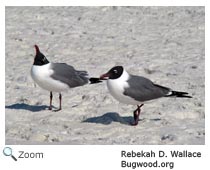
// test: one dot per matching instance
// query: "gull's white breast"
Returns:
(42, 76)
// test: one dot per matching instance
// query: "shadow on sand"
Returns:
(110, 117)
(23, 106)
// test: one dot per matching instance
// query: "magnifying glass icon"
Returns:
(8, 152)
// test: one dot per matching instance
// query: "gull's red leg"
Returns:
(60, 101)
(136, 115)
(51, 97)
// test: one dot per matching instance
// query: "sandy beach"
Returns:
(164, 44)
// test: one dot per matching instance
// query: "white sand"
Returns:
(165, 44)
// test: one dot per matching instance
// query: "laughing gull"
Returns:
(57, 77)
(135, 90)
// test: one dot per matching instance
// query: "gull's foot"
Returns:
(57, 110)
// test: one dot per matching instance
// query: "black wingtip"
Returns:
(179, 94)
(94, 80)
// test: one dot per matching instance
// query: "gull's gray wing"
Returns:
(67, 74)
(143, 89)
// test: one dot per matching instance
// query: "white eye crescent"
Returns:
(115, 71)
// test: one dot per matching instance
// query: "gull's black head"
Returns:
(113, 73)
(39, 58)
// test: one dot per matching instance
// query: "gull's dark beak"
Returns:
(104, 76)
